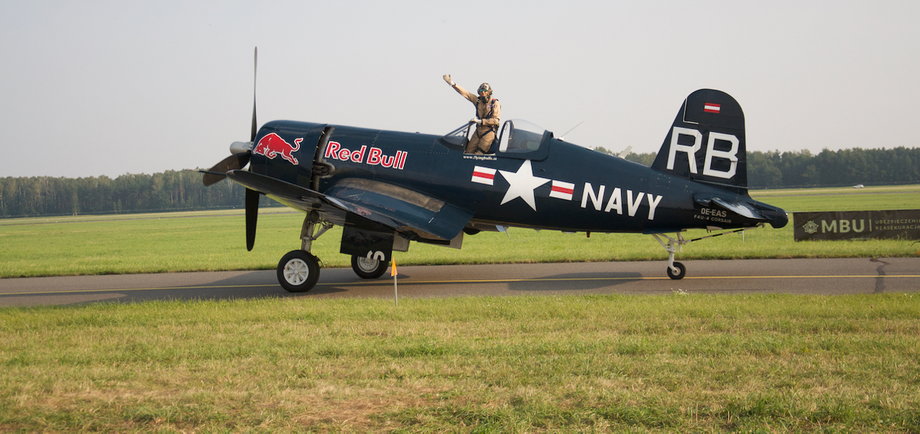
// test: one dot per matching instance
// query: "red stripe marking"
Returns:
(484, 175)
(563, 190)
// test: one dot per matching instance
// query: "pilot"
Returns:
(487, 120)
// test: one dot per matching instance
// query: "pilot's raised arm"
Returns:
(488, 115)
(465, 93)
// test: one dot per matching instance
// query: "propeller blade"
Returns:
(252, 196)
(255, 70)
(233, 162)
(252, 215)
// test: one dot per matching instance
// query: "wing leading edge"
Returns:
(412, 214)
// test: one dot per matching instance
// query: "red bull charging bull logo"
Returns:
(272, 145)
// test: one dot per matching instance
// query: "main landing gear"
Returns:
(368, 268)
(298, 270)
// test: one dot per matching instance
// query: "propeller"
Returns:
(217, 173)
(241, 152)
(252, 196)
(255, 70)
(252, 216)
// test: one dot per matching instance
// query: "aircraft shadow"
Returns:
(262, 284)
(575, 282)
(247, 286)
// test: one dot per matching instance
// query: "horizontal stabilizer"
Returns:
(746, 208)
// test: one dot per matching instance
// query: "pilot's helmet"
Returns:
(485, 92)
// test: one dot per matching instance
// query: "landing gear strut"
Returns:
(298, 270)
(676, 270)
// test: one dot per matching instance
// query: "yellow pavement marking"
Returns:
(408, 281)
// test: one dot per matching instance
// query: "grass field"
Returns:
(215, 240)
(673, 363)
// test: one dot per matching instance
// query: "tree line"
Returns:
(183, 190)
(168, 191)
(828, 168)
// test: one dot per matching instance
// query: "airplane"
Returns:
(387, 188)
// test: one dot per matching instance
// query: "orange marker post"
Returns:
(394, 273)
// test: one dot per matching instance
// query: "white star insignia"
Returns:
(522, 184)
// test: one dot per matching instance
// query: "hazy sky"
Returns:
(112, 87)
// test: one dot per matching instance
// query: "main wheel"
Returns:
(367, 268)
(298, 271)
(681, 271)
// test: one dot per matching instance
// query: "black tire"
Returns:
(298, 271)
(681, 271)
(368, 268)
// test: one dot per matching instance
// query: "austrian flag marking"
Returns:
(483, 175)
(712, 107)
(562, 190)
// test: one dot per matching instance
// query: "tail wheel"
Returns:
(681, 271)
(298, 271)
(367, 268)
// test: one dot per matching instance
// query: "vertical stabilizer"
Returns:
(706, 141)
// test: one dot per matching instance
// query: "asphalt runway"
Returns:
(795, 276)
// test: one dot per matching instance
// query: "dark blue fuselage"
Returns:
(550, 184)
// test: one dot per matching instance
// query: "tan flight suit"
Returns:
(490, 113)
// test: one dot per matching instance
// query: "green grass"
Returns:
(842, 199)
(673, 363)
(576, 363)
(215, 240)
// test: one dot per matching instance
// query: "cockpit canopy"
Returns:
(516, 139)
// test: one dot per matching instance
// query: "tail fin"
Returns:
(706, 142)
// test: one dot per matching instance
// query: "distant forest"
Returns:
(182, 190)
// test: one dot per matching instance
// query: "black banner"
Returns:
(855, 225)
